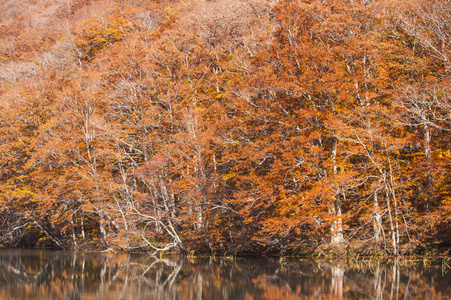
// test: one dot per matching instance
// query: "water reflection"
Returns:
(66, 275)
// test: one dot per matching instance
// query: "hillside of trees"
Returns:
(237, 126)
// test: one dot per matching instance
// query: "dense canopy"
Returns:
(238, 126)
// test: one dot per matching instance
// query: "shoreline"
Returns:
(442, 254)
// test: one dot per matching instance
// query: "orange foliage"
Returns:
(230, 126)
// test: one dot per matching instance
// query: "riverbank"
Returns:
(352, 251)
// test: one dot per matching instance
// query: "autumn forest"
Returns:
(226, 126)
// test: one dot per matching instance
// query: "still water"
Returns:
(32, 274)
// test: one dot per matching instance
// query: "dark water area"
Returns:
(34, 274)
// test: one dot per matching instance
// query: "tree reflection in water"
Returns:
(67, 275)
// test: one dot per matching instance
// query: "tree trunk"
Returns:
(392, 226)
(102, 229)
(337, 224)
(82, 226)
(427, 155)
(377, 219)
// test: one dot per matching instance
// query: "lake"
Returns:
(36, 274)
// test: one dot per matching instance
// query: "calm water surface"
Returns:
(26, 274)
